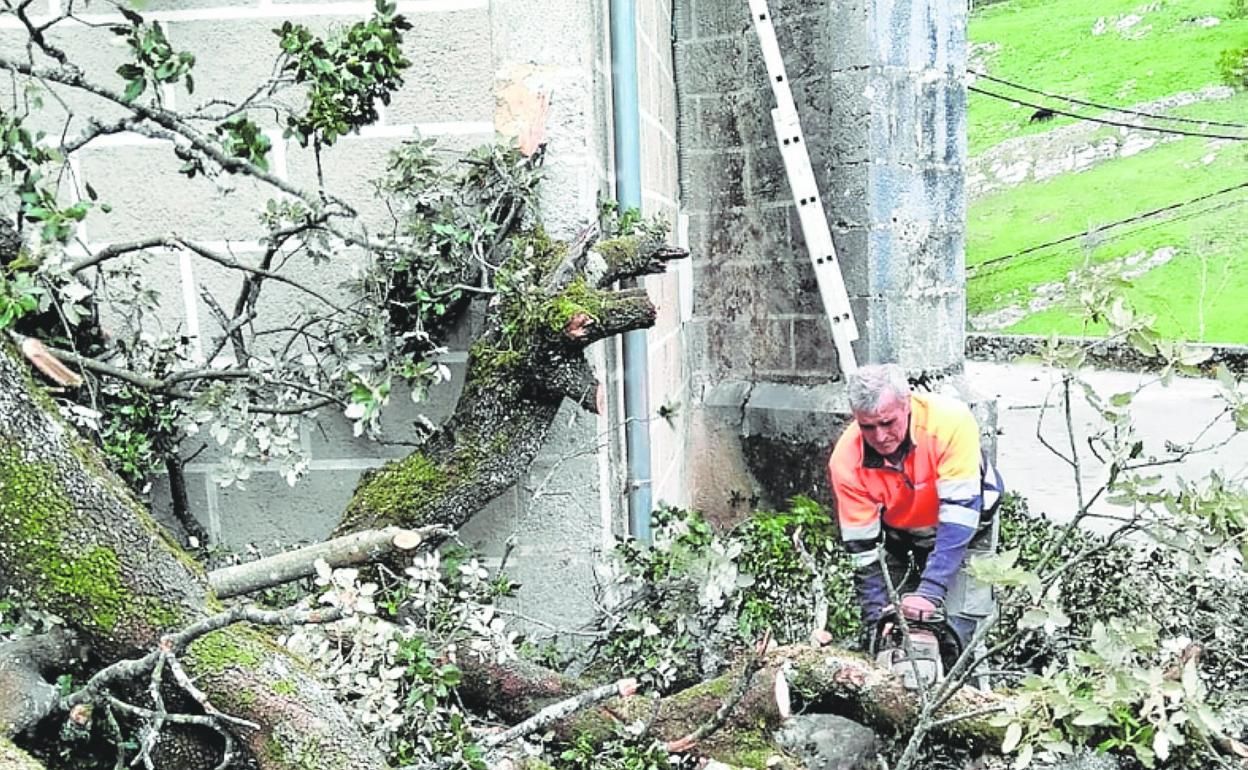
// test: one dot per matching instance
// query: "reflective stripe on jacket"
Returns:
(935, 495)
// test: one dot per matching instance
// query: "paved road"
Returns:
(1176, 413)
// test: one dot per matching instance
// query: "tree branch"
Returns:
(358, 548)
(630, 256)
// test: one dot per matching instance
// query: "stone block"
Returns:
(836, 113)
(814, 349)
(149, 197)
(232, 58)
(267, 512)
(570, 194)
(161, 272)
(452, 72)
(748, 346)
(751, 233)
(545, 32)
(733, 119)
(916, 35)
(920, 123)
(787, 432)
(766, 178)
(844, 190)
(714, 18)
(280, 306)
(934, 195)
(917, 258)
(921, 334)
(350, 168)
(779, 409)
(714, 181)
(709, 67)
(851, 246)
(574, 93)
(739, 291)
(64, 109)
(848, 42)
(802, 38)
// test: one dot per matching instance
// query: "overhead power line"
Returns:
(1106, 121)
(1098, 105)
(974, 269)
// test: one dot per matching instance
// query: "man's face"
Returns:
(885, 428)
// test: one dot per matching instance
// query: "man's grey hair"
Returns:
(868, 386)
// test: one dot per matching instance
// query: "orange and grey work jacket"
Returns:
(933, 498)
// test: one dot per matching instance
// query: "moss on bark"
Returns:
(58, 571)
(13, 758)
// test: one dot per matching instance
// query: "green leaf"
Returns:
(1225, 378)
(133, 89)
(1093, 715)
(1141, 342)
(1013, 734)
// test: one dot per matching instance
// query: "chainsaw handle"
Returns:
(889, 622)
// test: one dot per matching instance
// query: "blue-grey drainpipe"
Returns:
(626, 116)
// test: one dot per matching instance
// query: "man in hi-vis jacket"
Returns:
(908, 472)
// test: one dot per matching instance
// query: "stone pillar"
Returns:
(880, 94)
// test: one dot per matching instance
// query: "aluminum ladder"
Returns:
(805, 190)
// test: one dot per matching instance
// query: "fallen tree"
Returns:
(760, 693)
(74, 541)
(198, 684)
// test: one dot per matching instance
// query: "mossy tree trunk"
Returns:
(74, 541)
(827, 678)
(13, 758)
(553, 301)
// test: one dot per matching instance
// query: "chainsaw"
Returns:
(934, 645)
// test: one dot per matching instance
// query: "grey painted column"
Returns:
(880, 93)
(879, 89)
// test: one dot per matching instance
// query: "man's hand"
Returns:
(916, 607)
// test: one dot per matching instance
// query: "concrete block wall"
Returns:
(557, 521)
(476, 65)
(669, 369)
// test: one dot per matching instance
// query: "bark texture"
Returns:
(13, 758)
(834, 680)
(26, 697)
(74, 541)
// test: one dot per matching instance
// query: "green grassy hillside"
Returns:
(1144, 51)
